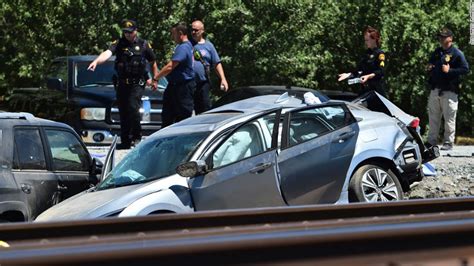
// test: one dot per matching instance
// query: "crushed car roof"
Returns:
(219, 116)
(259, 103)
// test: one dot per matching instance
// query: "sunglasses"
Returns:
(195, 30)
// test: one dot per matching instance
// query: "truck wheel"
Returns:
(372, 183)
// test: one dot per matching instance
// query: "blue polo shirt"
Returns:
(210, 58)
(183, 53)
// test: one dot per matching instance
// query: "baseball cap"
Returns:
(128, 25)
(445, 32)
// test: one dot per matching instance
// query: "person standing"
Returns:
(446, 65)
(178, 103)
(371, 66)
(206, 57)
(132, 55)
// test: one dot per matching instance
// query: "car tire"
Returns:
(374, 182)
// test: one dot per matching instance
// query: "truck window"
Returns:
(68, 153)
(58, 69)
(29, 151)
(101, 76)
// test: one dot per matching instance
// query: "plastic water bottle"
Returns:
(354, 81)
(146, 109)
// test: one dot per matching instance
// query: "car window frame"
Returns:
(285, 141)
(50, 155)
(62, 64)
(222, 138)
(16, 159)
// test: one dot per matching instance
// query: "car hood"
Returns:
(102, 203)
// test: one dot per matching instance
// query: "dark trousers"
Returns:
(129, 101)
(202, 102)
(178, 102)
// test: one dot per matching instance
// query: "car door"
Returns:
(243, 171)
(29, 168)
(317, 148)
(69, 160)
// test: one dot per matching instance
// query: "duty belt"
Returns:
(127, 81)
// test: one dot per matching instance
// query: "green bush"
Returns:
(303, 43)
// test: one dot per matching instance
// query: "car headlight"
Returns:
(93, 114)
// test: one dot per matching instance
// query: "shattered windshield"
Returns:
(153, 159)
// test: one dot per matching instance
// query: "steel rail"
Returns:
(208, 219)
(226, 230)
(450, 235)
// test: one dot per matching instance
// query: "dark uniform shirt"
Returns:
(131, 57)
(457, 66)
(373, 61)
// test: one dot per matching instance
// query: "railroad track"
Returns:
(440, 229)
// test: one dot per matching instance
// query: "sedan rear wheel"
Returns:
(372, 183)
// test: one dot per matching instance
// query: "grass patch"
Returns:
(465, 140)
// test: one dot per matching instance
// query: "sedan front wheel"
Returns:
(372, 183)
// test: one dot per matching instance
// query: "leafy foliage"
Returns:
(305, 43)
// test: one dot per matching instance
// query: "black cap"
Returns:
(128, 25)
(445, 32)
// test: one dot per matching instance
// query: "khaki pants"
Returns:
(445, 105)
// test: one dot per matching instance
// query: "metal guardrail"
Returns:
(333, 234)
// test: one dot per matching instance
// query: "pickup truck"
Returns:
(85, 100)
(42, 162)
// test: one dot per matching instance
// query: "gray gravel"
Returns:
(455, 174)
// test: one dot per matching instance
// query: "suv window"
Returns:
(28, 151)
(68, 153)
(58, 69)
(310, 123)
(103, 74)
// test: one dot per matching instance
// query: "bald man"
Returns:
(205, 58)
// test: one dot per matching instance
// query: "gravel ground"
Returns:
(455, 176)
(455, 173)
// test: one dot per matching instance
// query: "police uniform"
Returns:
(130, 65)
(373, 61)
(443, 99)
(178, 100)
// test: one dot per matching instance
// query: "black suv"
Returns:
(41, 163)
(84, 99)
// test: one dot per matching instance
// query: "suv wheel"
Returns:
(372, 183)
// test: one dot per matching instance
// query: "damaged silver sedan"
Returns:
(261, 152)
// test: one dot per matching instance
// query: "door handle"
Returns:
(259, 168)
(25, 188)
(344, 136)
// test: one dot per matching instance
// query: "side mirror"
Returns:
(96, 170)
(192, 169)
(55, 84)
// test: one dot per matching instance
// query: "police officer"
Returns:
(132, 55)
(371, 66)
(447, 63)
(205, 58)
(178, 96)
